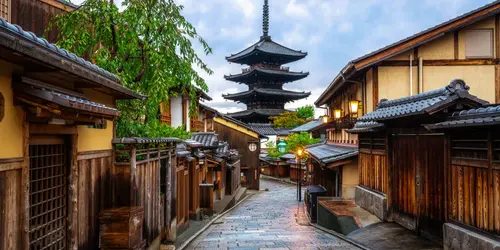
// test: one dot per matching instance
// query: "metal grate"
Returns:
(48, 196)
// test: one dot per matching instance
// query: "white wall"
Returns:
(188, 120)
(176, 111)
(263, 142)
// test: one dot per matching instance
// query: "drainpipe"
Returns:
(420, 75)
(411, 74)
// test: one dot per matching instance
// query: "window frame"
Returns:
(492, 45)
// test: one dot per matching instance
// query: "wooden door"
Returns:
(404, 202)
(417, 183)
(430, 186)
(48, 192)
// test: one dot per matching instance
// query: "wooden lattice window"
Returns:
(48, 180)
(5, 9)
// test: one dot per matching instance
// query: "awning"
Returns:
(331, 154)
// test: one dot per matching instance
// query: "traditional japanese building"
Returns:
(265, 77)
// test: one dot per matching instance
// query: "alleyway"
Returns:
(267, 220)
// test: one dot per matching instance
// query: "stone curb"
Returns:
(188, 241)
(341, 236)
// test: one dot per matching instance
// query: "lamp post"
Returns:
(298, 157)
(282, 146)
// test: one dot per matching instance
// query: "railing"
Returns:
(265, 66)
(197, 125)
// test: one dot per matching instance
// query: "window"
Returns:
(5, 9)
(479, 43)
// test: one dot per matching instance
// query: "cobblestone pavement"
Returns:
(267, 220)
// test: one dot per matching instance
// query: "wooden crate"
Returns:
(121, 228)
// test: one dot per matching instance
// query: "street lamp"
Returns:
(324, 119)
(282, 146)
(298, 157)
(337, 114)
(354, 107)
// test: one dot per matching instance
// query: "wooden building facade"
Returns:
(406, 172)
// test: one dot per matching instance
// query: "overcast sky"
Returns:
(333, 32)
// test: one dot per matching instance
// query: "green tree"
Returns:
(300, 140)
(287, 119)
(148, 45)
(306, 112)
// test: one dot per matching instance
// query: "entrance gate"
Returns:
(48, 195)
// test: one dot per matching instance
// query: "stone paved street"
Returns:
(267, 220)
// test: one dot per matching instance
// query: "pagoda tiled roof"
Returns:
(267, 46)
(292, 95)
(278, 75)
(264, 112)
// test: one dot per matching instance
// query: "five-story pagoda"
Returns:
(265, 77)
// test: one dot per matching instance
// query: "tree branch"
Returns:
(114, 50)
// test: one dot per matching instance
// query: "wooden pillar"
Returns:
(375, 87)
(25, 185)
(133, 177)
(490, 182)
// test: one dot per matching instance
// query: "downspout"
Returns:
(420, 75)
(411, 74)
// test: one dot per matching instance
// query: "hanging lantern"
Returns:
(337, 114)
(324, 119)
(354, 107)
(282, 146)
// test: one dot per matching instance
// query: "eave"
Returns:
(276, 75)
(273, 93)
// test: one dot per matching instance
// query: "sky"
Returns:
(333, 32)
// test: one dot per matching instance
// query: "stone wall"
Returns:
(374, 203)
(457, 237)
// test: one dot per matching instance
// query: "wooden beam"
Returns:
(73, 196)
(423, 38)
(52, 129)
(95, 154)
(442, 62)
(58, 5)
(490, 192)
(456, 48)
(497, 36)
(497, 83)
(25, 179)
(375, 87)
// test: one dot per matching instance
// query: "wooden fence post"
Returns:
(133, 177)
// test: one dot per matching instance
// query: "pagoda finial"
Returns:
(265, 19)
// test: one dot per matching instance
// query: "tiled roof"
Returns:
(243, 124)
(268, 129)
(363, 127)
(182, 151)
(424, 103)
(266, 45)
(329, 153)
(286, 76)
(68, 3)
(292, 95)
(209, 140)
(483, 116)
(265, 112)
(193, 144)
(32, 38)
(308, 126)
(66, 100)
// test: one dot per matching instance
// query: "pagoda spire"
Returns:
(265, 19)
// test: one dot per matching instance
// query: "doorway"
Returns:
(48, 192)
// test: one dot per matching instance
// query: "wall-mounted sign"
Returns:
(252, 147)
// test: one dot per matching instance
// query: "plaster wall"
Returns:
(11, 134)
(176, 110)
(369, 91)
(480, 78)
(441, 48)
(394, 82)
(350, 180)
(488, 23)
(90, 139)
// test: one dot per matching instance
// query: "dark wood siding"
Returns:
(373, 163)
(94, 194)
(473, 180)
(249, 160)
(35, 15)
(10, 204)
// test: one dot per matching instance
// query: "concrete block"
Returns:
(373, 202)
(457, 237)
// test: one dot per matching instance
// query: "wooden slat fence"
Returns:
(373, 163)
(138, 168)
(474, 180)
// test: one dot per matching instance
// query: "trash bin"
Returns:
(311, 200)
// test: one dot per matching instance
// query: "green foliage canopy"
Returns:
(287, 119)
(148, 45)
(294, 142)
(306, 112)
